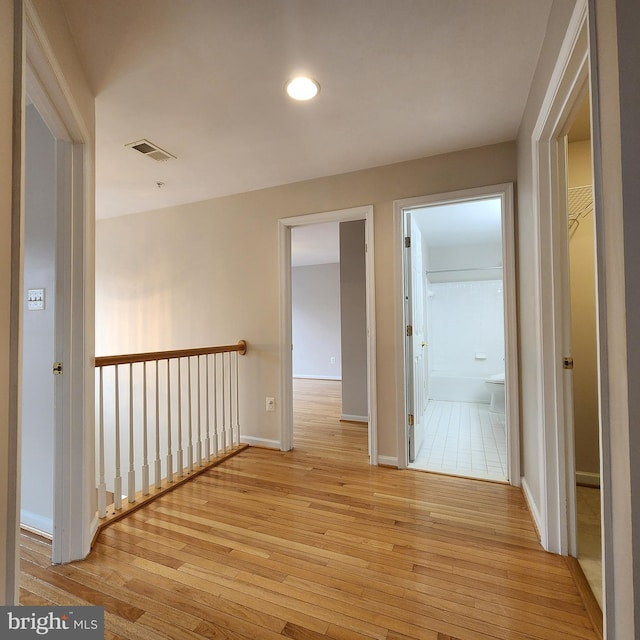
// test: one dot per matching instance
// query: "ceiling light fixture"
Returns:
(302, 88)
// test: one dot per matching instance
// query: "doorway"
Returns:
(328, 313)
(363, 219)
(584, 348)
(72, 507)
(459, 337)
(316, 311)
(39, 324)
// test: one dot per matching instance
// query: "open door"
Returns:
(416, 343)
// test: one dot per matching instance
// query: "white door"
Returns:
(416, 344)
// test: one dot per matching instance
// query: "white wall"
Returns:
(466, 328)
(476, 255)
(207, 273)
(36, 508)
(353, 305)
(315, 311)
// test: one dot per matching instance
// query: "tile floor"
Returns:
(589, 540)
(465, 439)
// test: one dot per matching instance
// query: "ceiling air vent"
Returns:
(150, 150)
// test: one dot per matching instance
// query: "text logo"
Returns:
(21, 623)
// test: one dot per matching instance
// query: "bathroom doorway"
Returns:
(459, 334)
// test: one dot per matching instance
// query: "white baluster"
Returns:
(216, 440)
(131, 493)
(158, 463)
(117, 481)
(230, 425)
(102, 485)
(169, 445)
(190, 445)
(199, 443)
(180, 452)
(237, 401)
(223, 430)
(207, 440)
(145, 434)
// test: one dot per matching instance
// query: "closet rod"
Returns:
(456, 270)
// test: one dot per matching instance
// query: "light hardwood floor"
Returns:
(315, 543)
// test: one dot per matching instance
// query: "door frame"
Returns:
(512, 406)
(74, 506)
(286, 387)
(570, 81)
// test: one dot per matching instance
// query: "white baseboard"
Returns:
(533, 510)
(260, 442)
(588, 478)
(388, 461)
(350, 418)
(314, 377)
(93, 528)
(36, 523)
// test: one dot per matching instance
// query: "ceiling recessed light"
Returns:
(302, 88)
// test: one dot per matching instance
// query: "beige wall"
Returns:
(207, 273)
(583, 322)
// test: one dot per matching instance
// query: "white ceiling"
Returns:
(313, 244)
(203, 79)
(461, 224)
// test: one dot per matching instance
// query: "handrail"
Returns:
(106, 361)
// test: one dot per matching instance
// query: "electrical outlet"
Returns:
(270, 404)
(332, 359)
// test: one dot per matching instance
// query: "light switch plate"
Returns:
(35, 299)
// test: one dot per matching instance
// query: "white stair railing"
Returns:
(200, 386)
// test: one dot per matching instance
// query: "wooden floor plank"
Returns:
(316, 543)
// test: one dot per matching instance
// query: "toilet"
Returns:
(496, 389)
